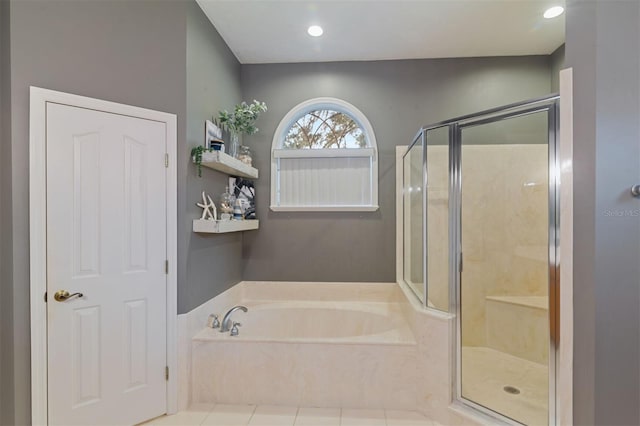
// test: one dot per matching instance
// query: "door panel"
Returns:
(504, 290)
(106, 238)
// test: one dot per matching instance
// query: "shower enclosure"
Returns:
(480, 238)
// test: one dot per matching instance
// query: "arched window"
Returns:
(324, 158)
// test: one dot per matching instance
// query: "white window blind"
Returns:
(314, 177)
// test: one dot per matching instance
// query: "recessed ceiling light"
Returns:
(315, 31)
(553, 12)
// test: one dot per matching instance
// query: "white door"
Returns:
(106, 239)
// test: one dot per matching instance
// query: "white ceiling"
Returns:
(268, 31)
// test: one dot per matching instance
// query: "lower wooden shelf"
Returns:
(223, 226)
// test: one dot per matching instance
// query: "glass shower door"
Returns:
(506, 241)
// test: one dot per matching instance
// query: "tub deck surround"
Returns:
(311, 344)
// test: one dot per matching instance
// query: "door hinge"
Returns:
(45, 297)
(166, 267)
(166, 160)
(461, 262)
(166, 373)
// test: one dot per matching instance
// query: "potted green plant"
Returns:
(196, 156)
(240, 121)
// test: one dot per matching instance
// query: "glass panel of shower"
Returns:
(413, 208)
(504, 281)
(427, 253)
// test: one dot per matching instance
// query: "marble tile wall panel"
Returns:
(505, 228)
(519, 330)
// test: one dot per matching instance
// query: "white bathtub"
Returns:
(319, 353)
(327, 322)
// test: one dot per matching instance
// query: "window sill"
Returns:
(324, 208)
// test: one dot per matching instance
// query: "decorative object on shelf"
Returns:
(245, 155)
(244, 190)
(235, 145)
(213, 136)
(237, 210)
(240, 121)
(226, 205)
(217, 146)
(209, 211)
(200, 154)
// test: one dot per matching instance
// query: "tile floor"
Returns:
(269, 415)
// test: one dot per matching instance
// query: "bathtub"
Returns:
(310, 349)
(318, 322)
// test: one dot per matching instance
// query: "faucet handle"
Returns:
(234, 329)
(214, 322)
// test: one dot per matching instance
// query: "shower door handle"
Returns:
(635, 190)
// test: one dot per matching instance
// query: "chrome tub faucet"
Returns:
(226, 321)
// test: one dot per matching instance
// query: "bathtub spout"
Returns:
(226, 321)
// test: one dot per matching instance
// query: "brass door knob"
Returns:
(62, 295)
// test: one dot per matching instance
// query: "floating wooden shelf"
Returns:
(229, 165)
(222, 226)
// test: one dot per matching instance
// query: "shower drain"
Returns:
(511, 389)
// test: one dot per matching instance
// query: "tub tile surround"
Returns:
(189, 324)
(321, 375)
(327, 291)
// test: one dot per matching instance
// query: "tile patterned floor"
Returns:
(269, 415)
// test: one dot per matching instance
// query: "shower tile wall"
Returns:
(502, 261)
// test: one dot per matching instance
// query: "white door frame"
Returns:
(38, 232)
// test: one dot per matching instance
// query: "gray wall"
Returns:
(128, 52)
(557, 59)
(157, 55)
(397, 97)
(212, 262)
(603, 47)
(6, 289)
